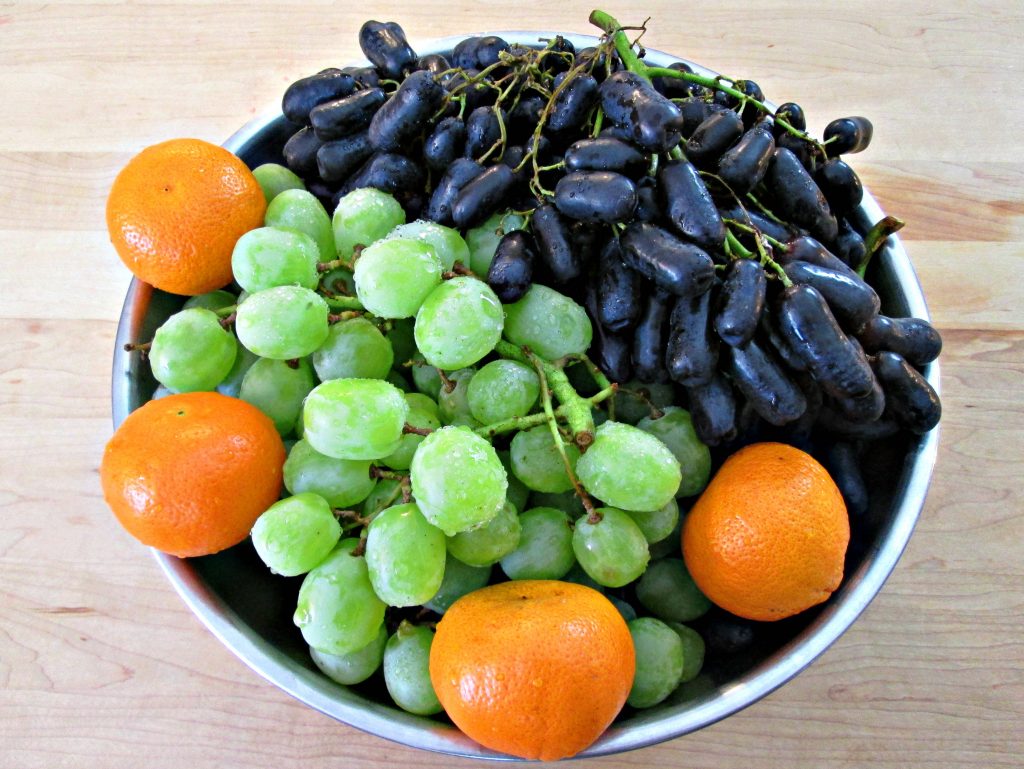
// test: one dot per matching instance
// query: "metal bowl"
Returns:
(250, 610)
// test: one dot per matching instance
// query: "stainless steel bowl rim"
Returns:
(646, 728)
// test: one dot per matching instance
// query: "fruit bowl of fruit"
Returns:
(511, 302)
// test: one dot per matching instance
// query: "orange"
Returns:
(535, 668)
(767, 538)
(189, 474)
(176, 210)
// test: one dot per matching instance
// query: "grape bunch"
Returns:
(549, 283)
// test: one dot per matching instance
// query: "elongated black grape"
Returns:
(909, 396)
(713, 410)
(631, 101)
(864, 408)
(649, 338)
(807, 323)
(694, 111)
(489, 49)
(554, 245)
(775, 340)
(606, 153)
(758, 376)
(691, 356)
(511, 270)
(793, 114)
(482, 131)
(673, 87)
(388, 172)
(464, 55)
(477, 93)
(914, 339)
(484, 195)
(434, 63)
(618, 289)
(406, 113)
(843, 464)
(445, 143)
(647, 207)
(559, 63)
(302, 95)
(681, 268)
(754, 218)
(848, 135)
(596, 196)
(713, 137)
(804, 248)
(522, 120)
(850, 298)
(744, 166)
(336, 160)
(849, 245)
(610, 350)
(460, 173)
(750, 113)
(572, 104)
(741, 302)
(513, 158)
(840, 185)
(836, 425)
(384, 44)
(802, 149)
(688, 205)
(587, 241)
(300, 151)
(343, 117)
(365, 77)
(797, 197)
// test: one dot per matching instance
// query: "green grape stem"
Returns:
(394, 475)
(343, 303)
(875, 239)
(533, 420)
(229, 321)
(409, 429)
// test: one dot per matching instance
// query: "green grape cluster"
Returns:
(435, 438)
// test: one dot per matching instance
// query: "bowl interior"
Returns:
(250, 610)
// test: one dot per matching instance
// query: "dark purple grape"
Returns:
(489, 50)
(336, 160)
(406, 114)
(850, 298)
(618, 289)
(864, 408)
(691, 355)
(793, 114)
(849, 244)
(554, 244)
(744, 166)
(647, 206)
(434, 63)
(511, 270)
(673, 87)
(681, 268)
(768, 389)
(573, 102)
(302, 95)
(847, 135)
(343, 117)
(840, 186)
(694, 112)
(713, 410)
(631, 101)
(445, 143)
(483, 131)
(688, 206)
(713, 137)
(909, 397)
(606, 153)
(464, 55)
(914, 339)
(741, 302)
(522, 120)
(804, 248)
(388, 172)
(365, 77)
(460, 173)
(484, 195)
(300, 152)
(649, 338)
(384, 44)
(754, 218)
(797, 198)
(843, 464)
(751, 89)
(596, 196)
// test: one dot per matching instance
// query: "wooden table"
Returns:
(100, 663)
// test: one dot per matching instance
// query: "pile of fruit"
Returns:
(471, 350)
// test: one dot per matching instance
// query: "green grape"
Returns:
(300, 210)
(399, 381)
(362, 217)
(545, 546)
(458, 324)
(300, 426)
(628, 612)
(675, 430)
(275, 179)
(214, 300)
(191, 351)
(668, 592)
(613, 551)
(268, 257)
(393, 277)
(459, 579)
(672, 544)
(483, 240)
(693, 650)
(337, 610)
(517, 492)
(342, 482)
(402, 340)
(578, 576)
(420, 415)
(296, 534)
(501, 390)
(232, 383)
(355, 418)
(284, 322)
(659, 662)
(354, 349)
(453, 404)
(405, 556)
(426, 377)
(339, 281)
(458, 480)
(407, 669)
(277, 389)
(630, 407)
(628, 468)
(549, 323)
(657, 524)
(447, 243)
(354, 667)
(566, 501)
(537, 463)
(242, 296)
(386, 493)
(488, 544)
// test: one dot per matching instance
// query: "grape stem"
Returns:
(346, 315)
(142, 347)
(875, 239)
(448, 384)
(577, 410)
(533, 420)
(343, 303)
(545, 398)
(409, 429)
(229, 320)
(393, 475)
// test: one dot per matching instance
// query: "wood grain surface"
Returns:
(101, 665)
